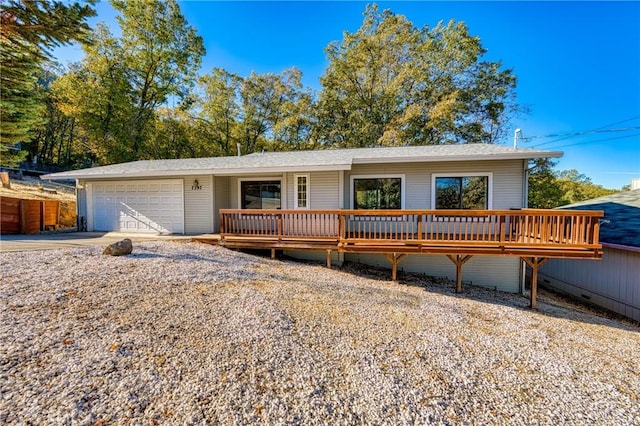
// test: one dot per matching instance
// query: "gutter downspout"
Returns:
(525, 204)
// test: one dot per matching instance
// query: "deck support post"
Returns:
(394, 258)
(459, 260)
(535, 263)
(273, 253)
(328, 258)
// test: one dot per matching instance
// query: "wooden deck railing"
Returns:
(533, 235)
(445, 231)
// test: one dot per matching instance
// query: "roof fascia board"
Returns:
(450, 158)
(216, 172)
(287, 169)
(621, 247)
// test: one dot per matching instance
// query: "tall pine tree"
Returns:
(28, 30)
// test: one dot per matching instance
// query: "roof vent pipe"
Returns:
(515, 137)
(238, 146)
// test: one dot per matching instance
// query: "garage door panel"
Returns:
(142, 206)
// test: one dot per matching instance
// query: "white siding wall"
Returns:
(198, 205)
(612, 283)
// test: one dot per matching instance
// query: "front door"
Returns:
(260, 194)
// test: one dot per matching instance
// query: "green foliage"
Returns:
(28, 29)
(544, 190)
(260, 112)
(390, 84)
(116, 91)
(578, 187)
(549, 189)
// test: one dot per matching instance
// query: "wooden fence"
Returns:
(23, 216)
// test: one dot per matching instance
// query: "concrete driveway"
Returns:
(74, 239)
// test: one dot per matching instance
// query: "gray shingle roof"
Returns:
(621, 223)
(329, 159)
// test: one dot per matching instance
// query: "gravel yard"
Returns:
(185, 333)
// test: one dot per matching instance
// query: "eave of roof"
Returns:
(303, 161)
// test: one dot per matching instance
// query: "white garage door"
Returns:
(139, 206)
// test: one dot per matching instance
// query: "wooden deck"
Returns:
(531, 234)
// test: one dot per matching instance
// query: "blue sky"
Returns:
(577, 63)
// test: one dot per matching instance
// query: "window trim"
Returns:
(402, 178)
(262, 178)
(307, 189)
(489, 176)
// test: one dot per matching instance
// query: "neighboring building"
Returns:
(614, 282)
(184, 196)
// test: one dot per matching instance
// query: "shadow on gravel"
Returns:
(549, 304)
(152, 255)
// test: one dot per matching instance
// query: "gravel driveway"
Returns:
(184, 333)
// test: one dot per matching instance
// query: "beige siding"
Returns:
(222, 198)
(198, 205)
(81, 202)
(314, 256)
(234, 183)
(612, 283)
(323, 190)
(507, 180)
(501, 273)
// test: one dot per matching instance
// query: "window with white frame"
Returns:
(377, 192)
(468, 191)
(301, 193)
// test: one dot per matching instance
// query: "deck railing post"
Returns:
(342, 226)
(596, 231)
(503, 230)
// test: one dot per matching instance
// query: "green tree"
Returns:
(390, 83)
(162, 54)
(273, 111)
(544, 189)
(549, 188)
(219, 109)
(579, 187)
(97, 93)
(28, 30)
(122, 81)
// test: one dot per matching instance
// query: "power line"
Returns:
(592, 132)
(568, 135)
(599, 140)
(586, 132)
